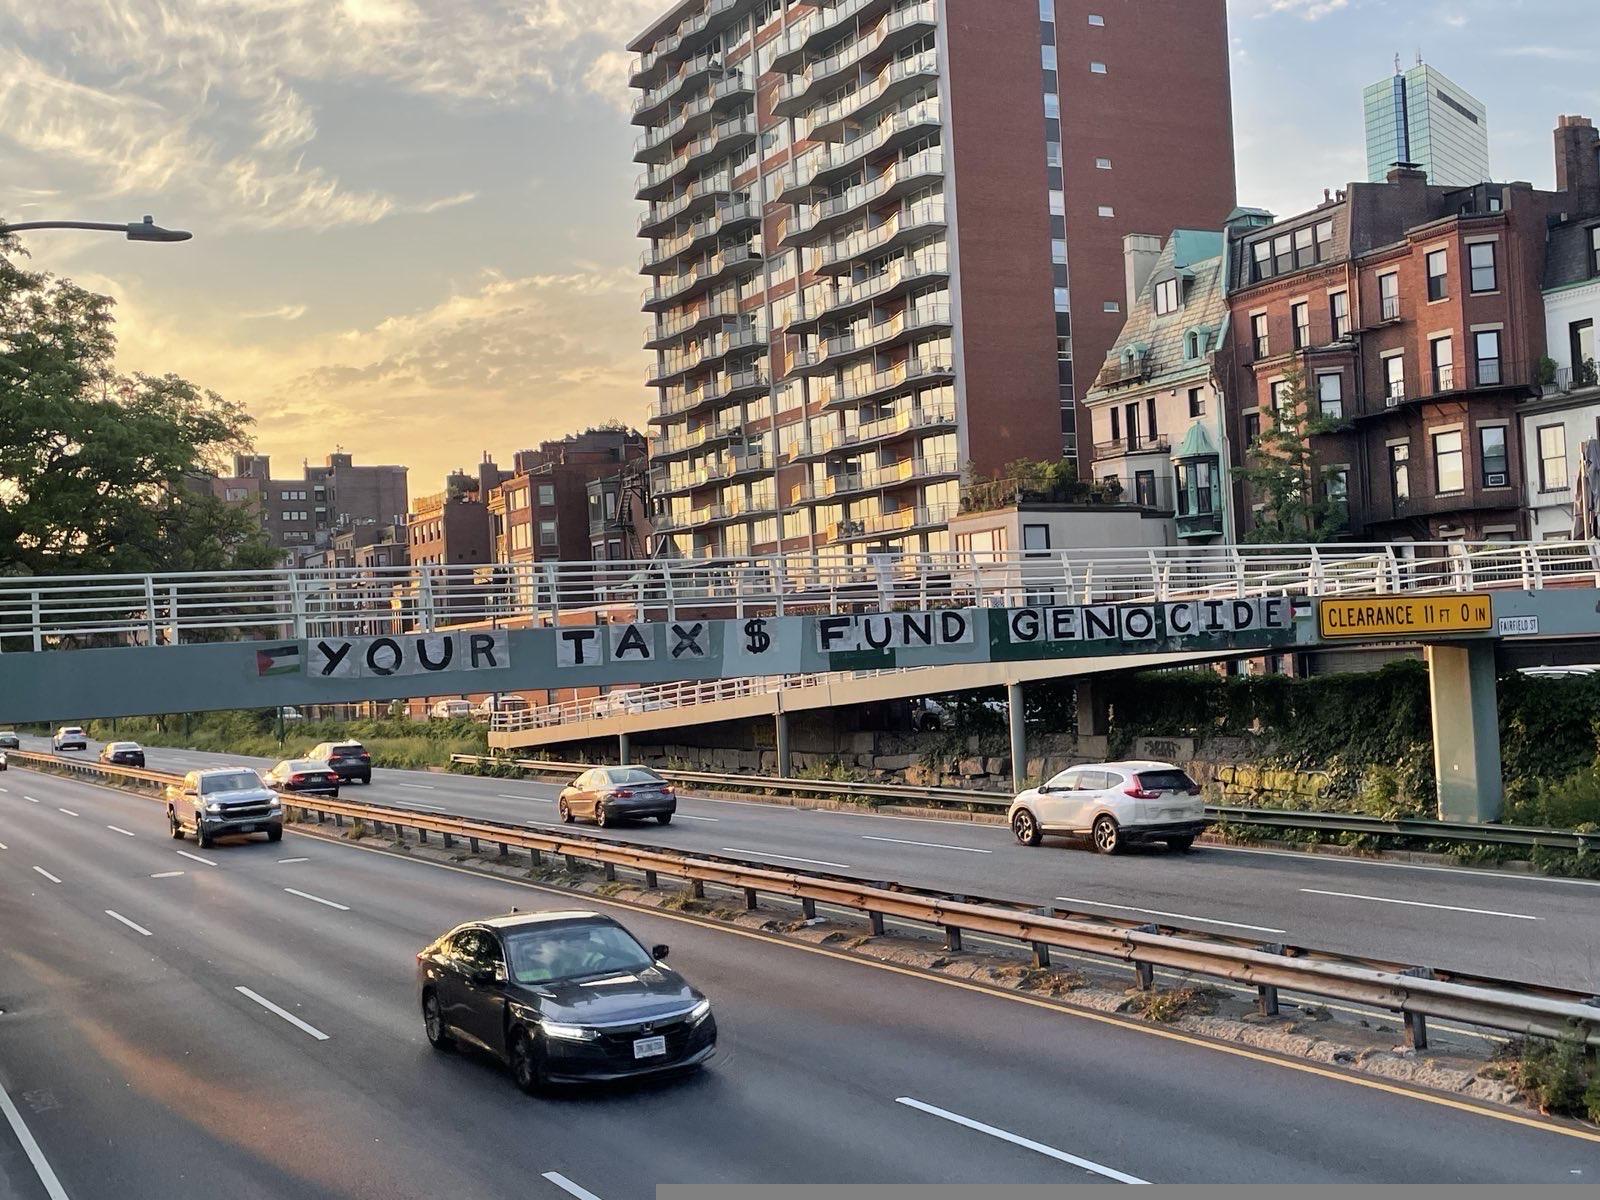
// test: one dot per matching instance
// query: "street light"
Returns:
(137, 231)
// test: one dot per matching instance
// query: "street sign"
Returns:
(1410, 616)
(1510, 626)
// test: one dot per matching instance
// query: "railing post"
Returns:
(552, 582)
(779, 584)
(1266, 993)
(1314, 572)
(151, 625)
(1391, 569)
(1155, 576)
(173, 634)
(1417, 1023)
(667, 589)
(1144, 974)
(425, 598)
(297, 604)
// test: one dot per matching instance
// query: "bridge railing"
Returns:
(48, 612)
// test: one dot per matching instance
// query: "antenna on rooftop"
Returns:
(1397, 62)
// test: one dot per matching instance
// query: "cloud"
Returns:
(1548, 53)
(284, 312)
(1310, 10)
(433, 206)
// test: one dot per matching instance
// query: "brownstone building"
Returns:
(540, 511)
(881, 234)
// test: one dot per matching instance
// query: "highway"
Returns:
(1512, 926)
(243, 1023)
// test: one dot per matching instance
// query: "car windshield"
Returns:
(1165, 781)
(637, 776)
(233, 781)
(560, 952)
(122, 746)
(345, 750)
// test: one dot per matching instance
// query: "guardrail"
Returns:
(40, 612)
(1415, 992)
(1269, 818)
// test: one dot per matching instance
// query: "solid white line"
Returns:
(121, 830)
(566, 1185)
(318, 899)
(41, 1166)
(816, 862)
(540, 799)
(47, 875)
(867, 837)
(1015, 1140)
(165, 874)
(1156, 912)
(68, 811)
(1476, 873)
(293, 860)
(116, 916)
(197, 858)
(1482, 912)
(284, 1013)
(426, 787)
(692, 817)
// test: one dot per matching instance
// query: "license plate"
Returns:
(246, 829)
(649, 1047)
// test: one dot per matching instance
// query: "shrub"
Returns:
(1551, 1073)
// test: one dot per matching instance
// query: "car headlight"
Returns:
(213, 807)
(699, 1012)
(570, 1033)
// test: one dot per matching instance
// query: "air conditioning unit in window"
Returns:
(1494, 480)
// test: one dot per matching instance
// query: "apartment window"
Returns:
(1058, 250)
(1282, 254)
(1324, 233)
(1400, 472)
(1058, 202)
(1275, 391)
(1111, 306)
(1486, 350)
(521, 536)
(1305, 254)
(1441, 356)
(1252, 428)
(1150, 416)
(1438, 268)
(1144, 488)
(1594, 250)
(547, 494)
(1063, 299)
(1035, 538)
(1166, 296)
(1116, 425)
(1492, 456)
(1338, 493)
(1096, 20)
(1449, 470)
(1258, 334)
(1197, 402)
(1300, 318)
(1394, 379)
(1097, 68)
(1481, 257)
(1330, 395)
(1552, 458)
(1261, 260)
(1102, 164)
(1339, 314)
(611, 505)
(547, 533)
(1105, 210)
(1389, 296)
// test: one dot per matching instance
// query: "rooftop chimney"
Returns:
(1578, 161)
(1139, 254)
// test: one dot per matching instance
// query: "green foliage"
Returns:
(1284, 475)
(1047, 481)
(253, 733)
(1552, 1074)
(1546, 371)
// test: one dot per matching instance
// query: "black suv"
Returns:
(349, 760)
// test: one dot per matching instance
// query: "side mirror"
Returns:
(659, 952)
(498, 974)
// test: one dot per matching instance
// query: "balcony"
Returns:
(732, 262)
(896, 233)
(822, 167)
(903, 520)
(896, 29)
(664, 333)
(729, 220)
(1150, 443)
(844, 483)
(900, 78)
(882, 384)
(789, 50)
(898, 279)
(705, 435)
(723, 138)
(912, 420)
(648, 107)
(717, 189)
(707, 354)
(1450, 381)
(903, 176)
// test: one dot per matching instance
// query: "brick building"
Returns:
(302, 516)
(540, 510)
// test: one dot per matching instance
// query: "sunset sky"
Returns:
(414, 220)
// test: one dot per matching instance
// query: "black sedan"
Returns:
(562, 997)
(607, 795)
(304, 775)
(123, 754)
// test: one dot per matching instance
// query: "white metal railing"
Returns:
(40, 612)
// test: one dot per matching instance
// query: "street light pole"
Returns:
(137, 231)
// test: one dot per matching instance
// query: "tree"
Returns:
(103, 472)
(1283, 473)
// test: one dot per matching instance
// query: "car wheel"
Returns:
(1025, 828)
(275, 834)
(664, 818)
(177, 826)
(602, 818)
(526, 1068)
(564, 812)
(1181, 844)
(1107, 834)
(201, 837)
(367, 778)
(433, 1023)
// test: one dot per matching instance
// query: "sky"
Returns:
(414, 219)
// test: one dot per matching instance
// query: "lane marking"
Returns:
(5, 790)
(196, 858)
(1127, 1026)
(116, 916)
(816, 862)
(430, 807)
(165, 874)
(692, 817)
(30, 800)
(1482, 912)
(284, 1013)
(540, 799)
(3, 846)
(121, 830)
(566, 1185)
(68, 811)
(424, 787)
(318, 899)
(1156, 912)
(1476, 873)
(293, 860)
(1016, 1140)
(41, 1165)
(867, 837)
(47, 875)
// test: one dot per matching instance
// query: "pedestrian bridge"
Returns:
(72, 648)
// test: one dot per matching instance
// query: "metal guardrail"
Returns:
(1269, 818)
(58, 611)
(1417, 993)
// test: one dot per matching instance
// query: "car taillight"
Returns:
(1139, 793)
(365, 757)
(297, 779)
(670, 790)
(621, 794)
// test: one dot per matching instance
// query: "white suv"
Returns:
(1115, 804)
(69, 737)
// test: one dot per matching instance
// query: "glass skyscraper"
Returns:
(1419, 116)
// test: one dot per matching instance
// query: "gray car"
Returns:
(222, 801)
(607, 795)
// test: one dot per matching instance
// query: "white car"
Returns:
(450, 710)
(1115, 804)
(69, 737)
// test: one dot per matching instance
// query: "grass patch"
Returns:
(1554, 1075)
(1165, 1007)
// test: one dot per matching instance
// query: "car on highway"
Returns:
(69, 737)
(9, 740)
(562, 997)
(3, 763)
(313, 776)
(1114, 804)
(123, 754)
(221, 801)
(606, 795)
(350, 760)
(490, 705)
(450, 710)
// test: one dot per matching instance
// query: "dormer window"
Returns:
(1166, 297)
(1193, 344)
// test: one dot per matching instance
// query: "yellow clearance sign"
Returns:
(1410, 616)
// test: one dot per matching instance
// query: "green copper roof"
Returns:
(1196, 444)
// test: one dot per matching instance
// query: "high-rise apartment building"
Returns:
(881, 234)
(304, 515)
(1419, 117)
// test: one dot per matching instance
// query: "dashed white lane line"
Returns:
(31, 799)
(293, 860)
(166, 874)
(3, 846)
(68, 811)
(539, 799)
(1017, 1140)
(5, 791)
(1481, 912)
(815, 862)
(867, 837)
(196, 858)
(421, 787)
(1475, 872)
(1156, 912)
(116, 916)
(317, 899)
(567, 1186)
(430, 807)
(41, 1165)
(692, 817)
(284, 1013)
(47, 875)
(122, 831)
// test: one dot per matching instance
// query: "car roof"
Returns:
(1132, 764)
(115, 745)
(522, 920)
(204, 771)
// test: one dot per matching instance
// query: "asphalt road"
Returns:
(1511, 926)
(243, 1023)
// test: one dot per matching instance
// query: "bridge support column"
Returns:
(1466, 731)
(623, 749)
(1019, 739)
(1094, 717)
(780, 724)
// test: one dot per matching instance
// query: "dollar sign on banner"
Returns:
(757, 639)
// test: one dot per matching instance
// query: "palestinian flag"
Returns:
(279, 660)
